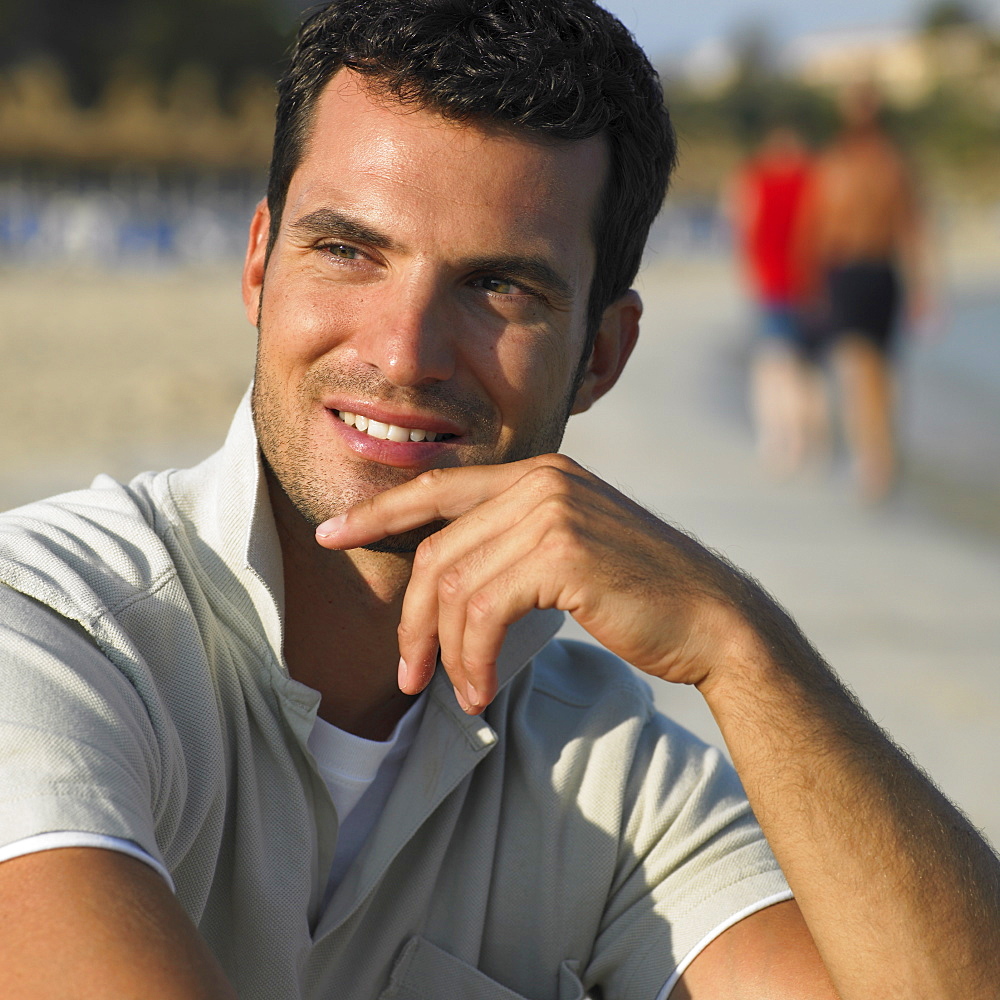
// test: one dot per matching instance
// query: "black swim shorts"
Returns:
(864, 300)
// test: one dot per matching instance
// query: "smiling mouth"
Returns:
(389, 432)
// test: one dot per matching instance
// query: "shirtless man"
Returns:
(377, 561)
(865, 235)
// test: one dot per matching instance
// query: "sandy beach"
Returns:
(125, 371)
(115, 372)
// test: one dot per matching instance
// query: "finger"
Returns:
(489, 613)
(442, 561)
(436, 495)
(417, 665)
(446, 567)
(421, 618)
(538, 569)
(453, 586)
(458, 589)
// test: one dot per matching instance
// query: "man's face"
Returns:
(429, 279)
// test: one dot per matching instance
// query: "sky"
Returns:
(665, 27)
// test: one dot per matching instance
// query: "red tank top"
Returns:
(769, 238)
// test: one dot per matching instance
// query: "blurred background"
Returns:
(134, 137)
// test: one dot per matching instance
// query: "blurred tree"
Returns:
(231, 39)
(755, 50)
(759, 95)
(941, 14)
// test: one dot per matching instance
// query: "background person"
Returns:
(866, 234)
(765, 202)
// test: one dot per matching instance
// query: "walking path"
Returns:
(904, 606)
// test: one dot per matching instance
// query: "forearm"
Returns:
(899, 891)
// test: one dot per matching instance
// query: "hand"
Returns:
(540, 533)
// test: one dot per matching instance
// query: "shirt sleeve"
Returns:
(692, 862)
(76, 838)
(77, 749)
(735, 918)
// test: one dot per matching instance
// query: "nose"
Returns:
(407, 335)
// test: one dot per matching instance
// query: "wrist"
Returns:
(758, 647)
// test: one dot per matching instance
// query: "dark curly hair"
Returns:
(564, 70)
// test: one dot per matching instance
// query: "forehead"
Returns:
(406, 165)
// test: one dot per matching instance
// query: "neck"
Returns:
(341, 614)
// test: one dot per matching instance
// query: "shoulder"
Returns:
(657, 818)
(586, 676)
(86, 550)
(579, 694)
(573, 694)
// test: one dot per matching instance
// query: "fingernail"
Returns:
(332, 526)
(471, 694)
(460, 698)
(401, 676)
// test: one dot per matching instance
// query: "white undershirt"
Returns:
(359, 774)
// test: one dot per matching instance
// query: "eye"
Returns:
(500, 286)
(341, 251)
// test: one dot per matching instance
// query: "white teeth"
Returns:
(387, 432)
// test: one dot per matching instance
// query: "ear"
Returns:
(256, 260)
(616, 336)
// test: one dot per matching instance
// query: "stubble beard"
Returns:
(319, 494)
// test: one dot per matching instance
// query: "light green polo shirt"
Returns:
(569, 838)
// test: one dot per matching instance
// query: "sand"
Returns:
(115, 372)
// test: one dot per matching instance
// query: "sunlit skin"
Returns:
(427, 275)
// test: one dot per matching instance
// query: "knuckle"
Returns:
(430, 480)
(426, 554)
(559, 538)
(407, 632)
(566, 464)
(481, 608)
(450, 584)
(557, 510)
(547, 480)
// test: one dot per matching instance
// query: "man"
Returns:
(866, 235)
(213, 670)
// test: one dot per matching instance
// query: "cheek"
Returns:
(530, 371)
(300, 325)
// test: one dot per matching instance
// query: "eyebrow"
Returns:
(329, 223)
